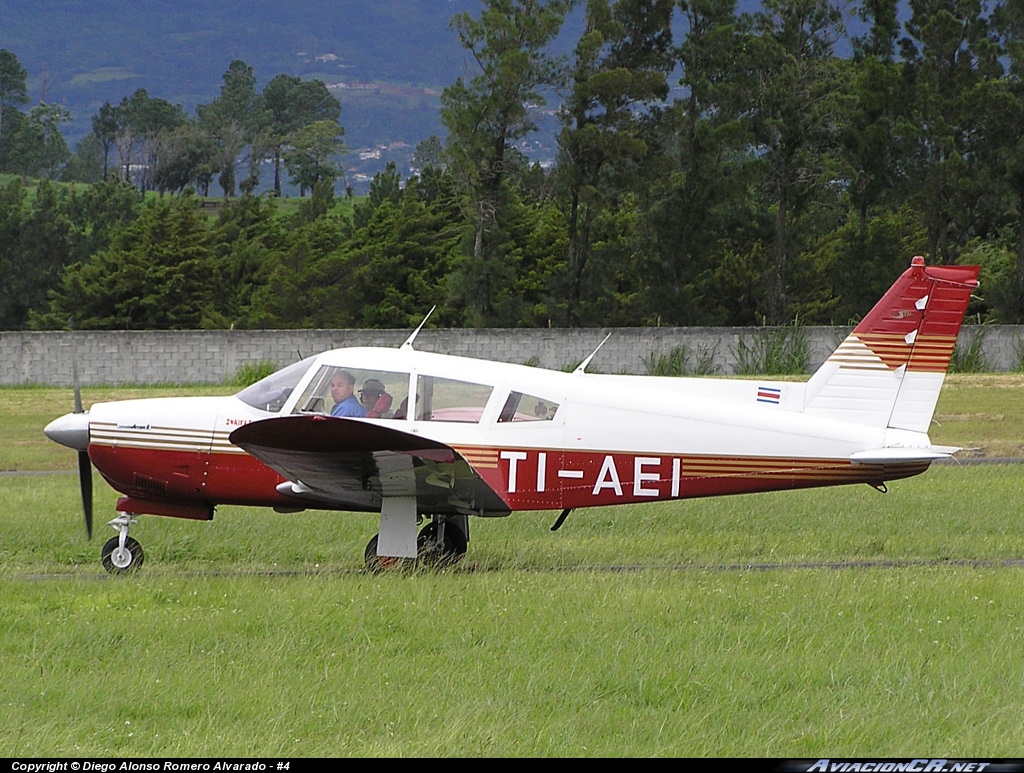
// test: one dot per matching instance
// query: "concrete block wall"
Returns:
(214, 356)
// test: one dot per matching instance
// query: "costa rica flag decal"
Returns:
(769, 395)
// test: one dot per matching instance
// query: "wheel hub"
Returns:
(121, 558)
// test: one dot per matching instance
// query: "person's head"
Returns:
(342, 386)
(371, 392)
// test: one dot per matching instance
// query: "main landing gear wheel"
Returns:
(440, 553)
(430, 551)
(375, 563)
(118, 560)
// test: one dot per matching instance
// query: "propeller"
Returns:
(84, 465)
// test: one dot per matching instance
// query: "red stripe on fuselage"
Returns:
(536, 479)
(526, 479)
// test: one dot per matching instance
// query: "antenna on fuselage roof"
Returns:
(410, 339)
(582, 367)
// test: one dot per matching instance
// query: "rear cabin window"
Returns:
(381, 394)
(523, 407)
(445, 399)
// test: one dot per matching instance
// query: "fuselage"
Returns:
(540, 439)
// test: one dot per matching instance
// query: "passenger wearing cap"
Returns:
(374, 398)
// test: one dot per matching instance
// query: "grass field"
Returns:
(836, 622)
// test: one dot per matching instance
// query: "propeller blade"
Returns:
(85, 481)
(84, 465)
(74, 381)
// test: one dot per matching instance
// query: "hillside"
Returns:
(81, 53)
(385, 60)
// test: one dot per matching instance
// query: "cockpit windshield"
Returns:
(271, 393)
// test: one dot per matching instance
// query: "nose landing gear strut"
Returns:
(122, 553)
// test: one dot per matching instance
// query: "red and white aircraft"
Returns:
(447, 437)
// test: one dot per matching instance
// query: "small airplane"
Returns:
(416, 436)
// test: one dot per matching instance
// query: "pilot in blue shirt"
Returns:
(342, 392)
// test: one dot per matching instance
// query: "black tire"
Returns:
(448, 554)
(135, 555)
(377, 564)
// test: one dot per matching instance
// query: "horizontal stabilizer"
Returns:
(902, 455)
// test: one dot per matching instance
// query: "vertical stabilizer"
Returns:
(889, 370)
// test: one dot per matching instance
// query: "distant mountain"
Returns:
(83, 52)
(386, 60)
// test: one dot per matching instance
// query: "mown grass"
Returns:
(259, 634)
(885, 662)
(982, 413)
(720, 627)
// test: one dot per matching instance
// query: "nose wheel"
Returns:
(122, 553)
(118, 559)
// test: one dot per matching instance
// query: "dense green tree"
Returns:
(863, 259)
(86, 164)
(292, 295)
(869, 167)
(233, 119)
(35, 146)
(313, 154)
(874, 106)
(700, 187)
(45, 247)
(36, 243)
(291, 104)
(105, 128)
(794, 118)
(395, 268)
(98, 212)
(1002, 119)
(12, 205)
(13, 87)
(949, 53)
(385, 186)
(536, 242)
(246, 241)
(154, 275)
(388, 272)
(486, 115)
(145, 128)
(620, 64)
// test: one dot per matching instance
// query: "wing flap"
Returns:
(351, 464)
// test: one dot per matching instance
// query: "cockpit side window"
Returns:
(271, 393)
(445, 399)
(355, 392)
(522, 407)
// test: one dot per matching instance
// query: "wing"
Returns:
(349, 464)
